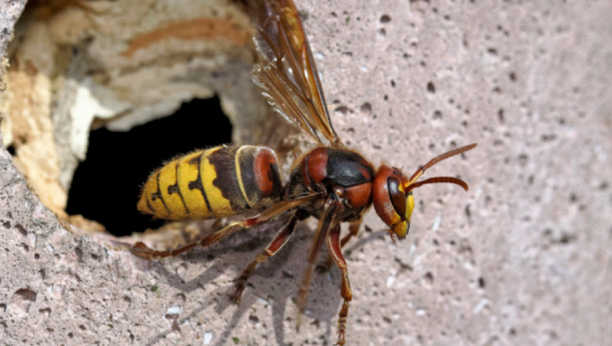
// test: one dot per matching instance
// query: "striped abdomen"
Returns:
(213, 183)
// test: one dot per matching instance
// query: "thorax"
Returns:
(336, 172)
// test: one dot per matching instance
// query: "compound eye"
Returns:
(398, 198)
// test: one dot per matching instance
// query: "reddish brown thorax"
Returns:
(338, 171)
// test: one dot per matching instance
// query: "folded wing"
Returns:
(286, 70)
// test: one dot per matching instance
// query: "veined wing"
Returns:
(286, 70)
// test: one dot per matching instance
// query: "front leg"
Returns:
(353, 231)
(326, 223)
(335, 249)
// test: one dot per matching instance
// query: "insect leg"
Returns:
(281, 238)
(335, 249)
(141, 250)
(326, 222)
(353, 231)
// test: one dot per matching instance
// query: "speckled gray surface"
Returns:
(11, 9)
(523, 258)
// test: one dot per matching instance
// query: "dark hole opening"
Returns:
(106, 186)
(11, 150)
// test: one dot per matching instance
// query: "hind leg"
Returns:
(141, 250)
(353, 231)
(326, 223)
(281, 238)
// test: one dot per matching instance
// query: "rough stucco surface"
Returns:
(77, 65)
(8, 16)
(523, 258)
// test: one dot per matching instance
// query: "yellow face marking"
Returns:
(400, 229)
(219, 204)
(188, 172)
(409, 206)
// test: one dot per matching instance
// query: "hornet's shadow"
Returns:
(275, 281)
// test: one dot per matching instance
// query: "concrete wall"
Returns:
(523, 258)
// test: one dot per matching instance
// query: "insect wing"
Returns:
(286, 70)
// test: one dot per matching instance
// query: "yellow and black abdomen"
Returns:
(213, 183)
